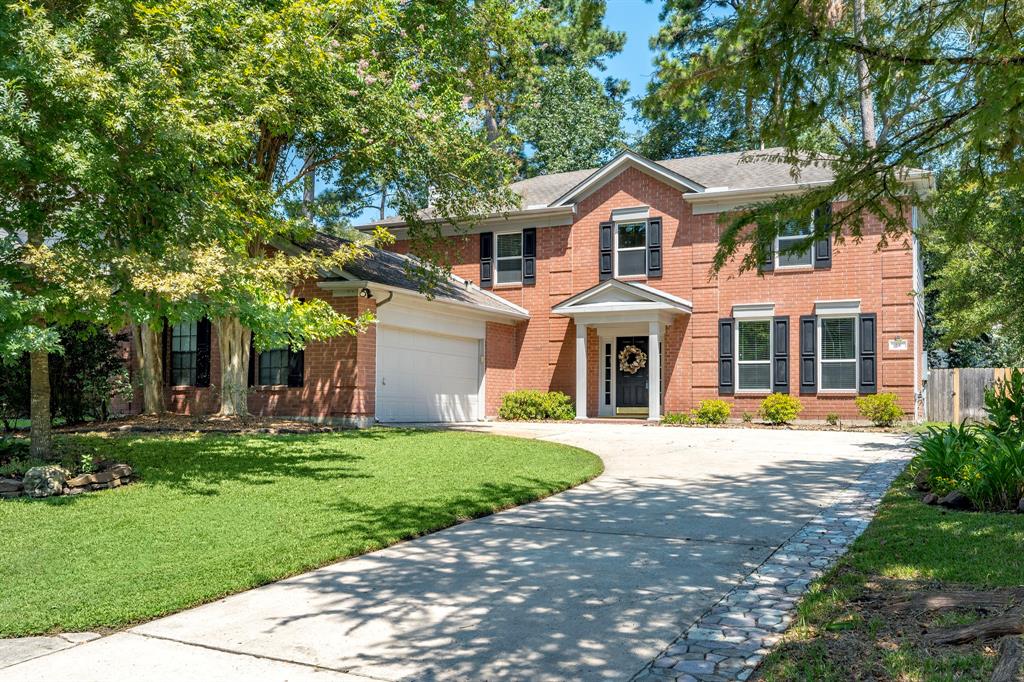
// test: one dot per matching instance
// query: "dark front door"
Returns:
(630, 386)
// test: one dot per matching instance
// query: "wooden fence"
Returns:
(958, 394)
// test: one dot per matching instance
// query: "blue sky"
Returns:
(639, 20)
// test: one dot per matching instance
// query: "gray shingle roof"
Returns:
(398, 270)
(736, 170)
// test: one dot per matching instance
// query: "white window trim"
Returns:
(856, 354)
(801, 266)
(630, 248)
(770, 361)
(497, 236)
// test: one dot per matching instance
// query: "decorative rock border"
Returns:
(51, 480)
(733, 636)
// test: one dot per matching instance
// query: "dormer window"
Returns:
(630, 248)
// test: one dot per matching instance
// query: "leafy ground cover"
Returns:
(860, 621)
(217, 514)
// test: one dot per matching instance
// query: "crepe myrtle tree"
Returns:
(939, 84)
(340, 86)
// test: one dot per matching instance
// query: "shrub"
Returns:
(677, 418)
(747, 417)
(711, 412)
(984, 461)
(524, 405)
(881, 409)
(780, 408)
(1004, 405)
(832, 419)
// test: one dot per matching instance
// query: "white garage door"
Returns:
(423, 377)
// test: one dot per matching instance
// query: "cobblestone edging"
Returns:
(731, 638)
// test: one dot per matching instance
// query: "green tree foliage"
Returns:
(575, 123)
(88, 368)
(947, 81)
(975, 240)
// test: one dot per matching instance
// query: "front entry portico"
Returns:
(630, 317)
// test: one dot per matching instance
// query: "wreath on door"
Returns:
(632, 359)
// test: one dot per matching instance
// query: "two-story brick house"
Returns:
(600, 286)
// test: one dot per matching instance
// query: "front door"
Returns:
(631, 374)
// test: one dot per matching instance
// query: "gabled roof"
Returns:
(625, 159)
(614, 295)
(395, 270)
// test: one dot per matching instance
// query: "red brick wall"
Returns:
(567, 263)
(339, 375)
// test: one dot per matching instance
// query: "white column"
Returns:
(581, 371)
(654, 371)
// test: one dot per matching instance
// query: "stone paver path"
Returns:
(730, 640)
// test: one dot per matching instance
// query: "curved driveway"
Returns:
(589, 584)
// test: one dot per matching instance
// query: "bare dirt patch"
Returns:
(899, 630)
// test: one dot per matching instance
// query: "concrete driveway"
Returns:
(589, 584)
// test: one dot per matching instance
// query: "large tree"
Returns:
(945, 81)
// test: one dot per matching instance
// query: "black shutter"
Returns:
(868, 354)
(296, 367)
(165, 350)
(252, 359)
(726, 354)
(203, 353)
(654, 247)
(780, 355)
(606, 251)
(486, 259)
(808, 353)
(768, 262)
(823, 247)
(530, 255)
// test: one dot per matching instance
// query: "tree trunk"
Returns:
(308, 191)
(39, 404)
(233, 340)
(491, 125)
(151, 368)
(867, 106)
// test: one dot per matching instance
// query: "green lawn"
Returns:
(846, 628)
(213, 515)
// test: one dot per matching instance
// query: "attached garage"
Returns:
(427, 377)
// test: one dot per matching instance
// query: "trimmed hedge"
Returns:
(529, 405)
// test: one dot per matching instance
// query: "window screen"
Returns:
(509, 256)
(839, 353)
(792, 234)
(754, 355)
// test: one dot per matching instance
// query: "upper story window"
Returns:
(508, 254)
(792, 234)
(630, 248)
(837, 340)
(273, 366)
(184, 346)
(753, 361)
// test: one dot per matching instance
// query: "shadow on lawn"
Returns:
(587, 584)
(199, 463)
